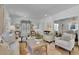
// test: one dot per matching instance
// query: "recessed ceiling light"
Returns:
(45, 15)
(25, 16)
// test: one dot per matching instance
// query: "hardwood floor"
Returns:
(23, 46)
(52, 50)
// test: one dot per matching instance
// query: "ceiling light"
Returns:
(45, 15)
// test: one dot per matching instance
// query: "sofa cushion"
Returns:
(66, 37)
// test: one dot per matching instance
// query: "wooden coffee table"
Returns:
(41, 48)
(37, 46)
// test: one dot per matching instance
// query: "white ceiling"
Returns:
(37, 11)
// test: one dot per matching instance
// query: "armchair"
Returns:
(49, 38)
(9, 39)
(67, 41)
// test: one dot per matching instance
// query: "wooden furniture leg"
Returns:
(69, 52)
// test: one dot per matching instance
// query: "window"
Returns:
(73, 27)
(56, 27)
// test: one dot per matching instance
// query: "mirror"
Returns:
(25, 28)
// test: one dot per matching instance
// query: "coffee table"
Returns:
(36, 46)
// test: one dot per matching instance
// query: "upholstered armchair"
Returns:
(13, 44)
(67, 41)
(49, 38)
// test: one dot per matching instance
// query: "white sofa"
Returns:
(67, 41)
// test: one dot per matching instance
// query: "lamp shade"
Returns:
(12, 27)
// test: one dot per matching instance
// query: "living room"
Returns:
(39, 29)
